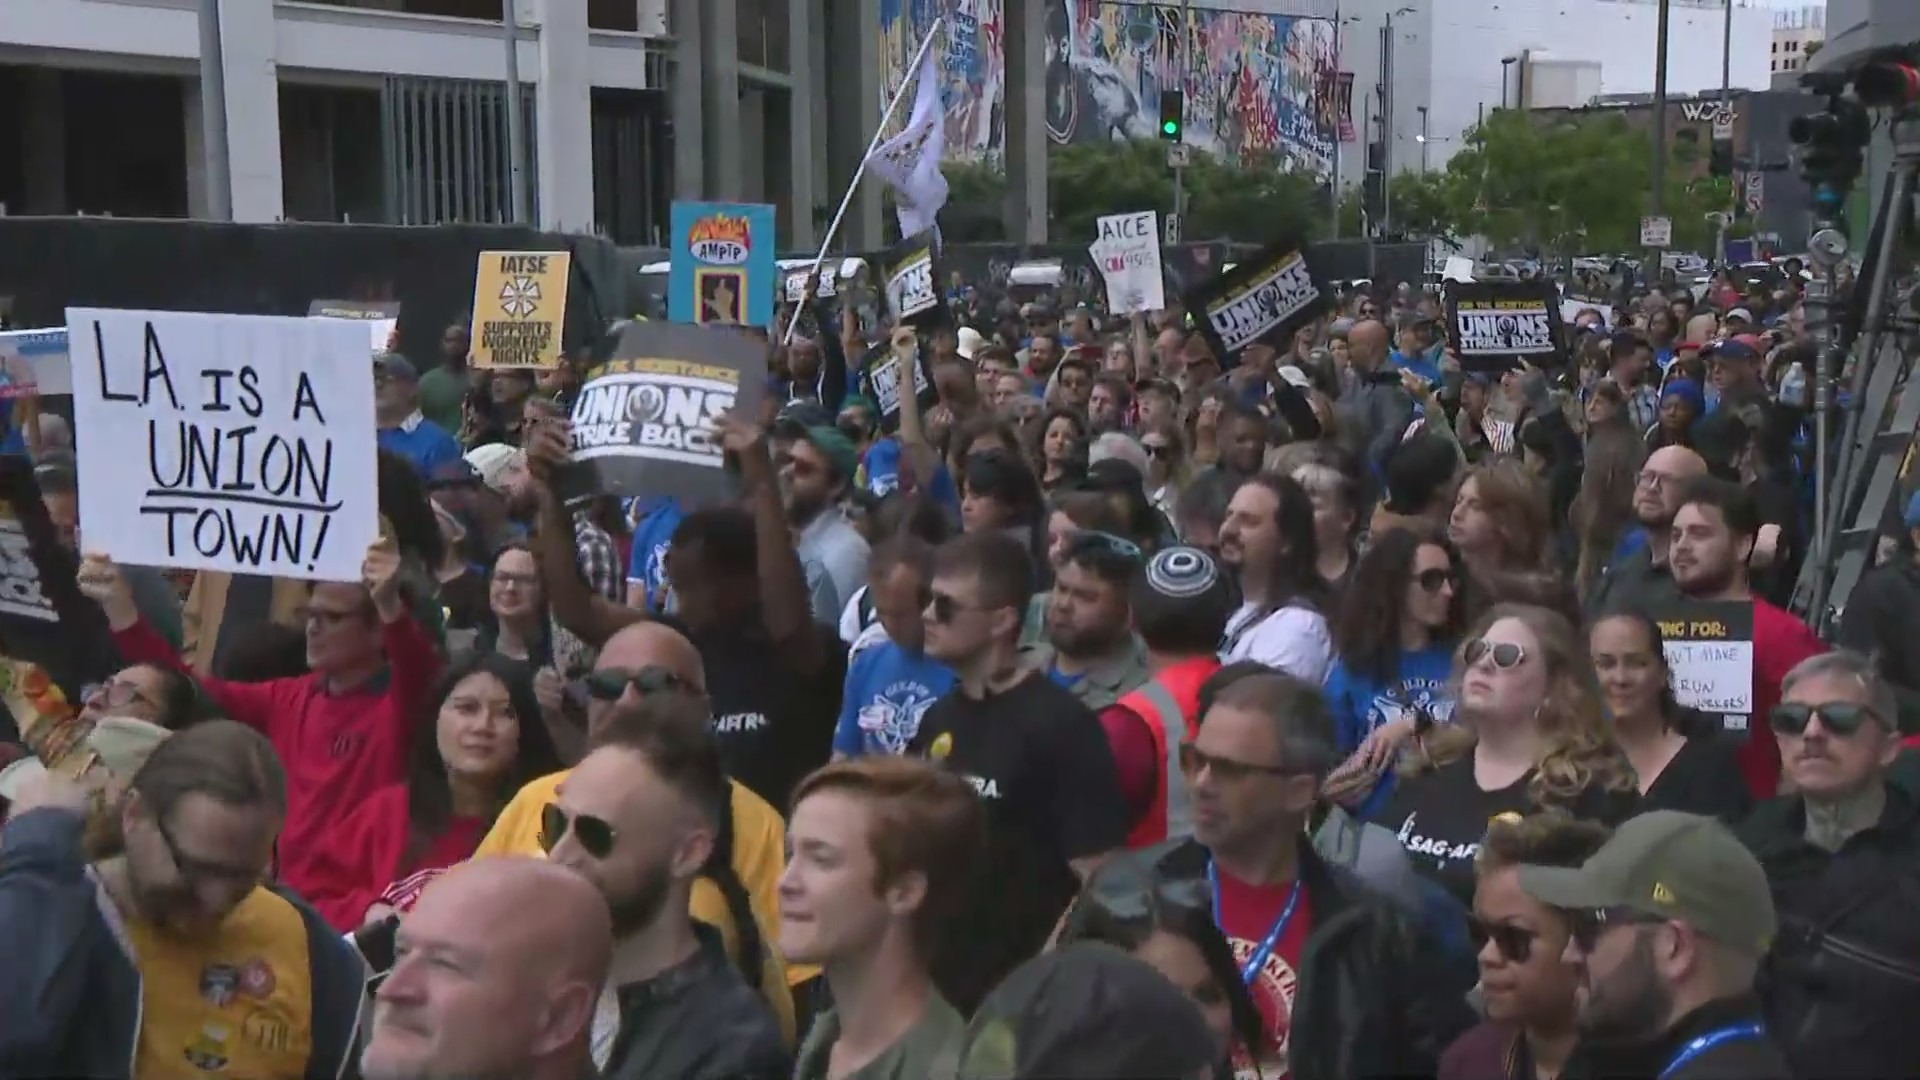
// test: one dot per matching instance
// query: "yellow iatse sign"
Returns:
(519, 308)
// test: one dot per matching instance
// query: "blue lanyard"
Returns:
(1707, 1042)
(1259, 958)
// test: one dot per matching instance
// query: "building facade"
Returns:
(1793, 32)
(397, 110)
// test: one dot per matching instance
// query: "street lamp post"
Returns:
(1424, 139)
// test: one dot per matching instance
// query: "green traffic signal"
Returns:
(1170, 127)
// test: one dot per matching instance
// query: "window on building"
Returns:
(1776, 46)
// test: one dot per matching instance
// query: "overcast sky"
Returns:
(1789, 5)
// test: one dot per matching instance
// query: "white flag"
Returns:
(909, 163)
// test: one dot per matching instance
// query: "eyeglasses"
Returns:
(1655, 481)
(118, 694)
(1586, 925)
(1194, 760)
(1435, 579)
(1514, 943)
(192, 869)
(595, 835)
(516, 581)
(1505, 654)
(610, 684)
(1842, 718)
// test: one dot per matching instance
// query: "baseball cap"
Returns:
(1081, 1012)
(835, 447)
(1733, 349)
(968, 341)
(1740, 313)
(1295, 377)
(795, 417)
(456, 472)
(493, 460)
(1669, 865)
(395, 366)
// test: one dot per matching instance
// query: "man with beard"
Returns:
(142, 943)
(639, 818)
(1090, 649)
(1638, 576)
(1712, 542)
(533, 938)
(1843, 983)
(815, 469)
(1268, 540)
(1670, 920)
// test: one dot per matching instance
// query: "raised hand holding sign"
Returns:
(101, 582)
(380, 573)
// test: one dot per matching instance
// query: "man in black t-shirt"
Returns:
(1037, 757)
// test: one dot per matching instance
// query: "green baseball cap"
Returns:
(1669, 865)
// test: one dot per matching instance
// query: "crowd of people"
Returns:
(1117, 709)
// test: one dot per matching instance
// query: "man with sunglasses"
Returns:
(640, 818)
(1714, 531)
(1670, 921)
(644, 660)
(1037, 757)
(1842, 855)
(1330, 964)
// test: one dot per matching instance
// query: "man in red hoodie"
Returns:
(1713, 537)
(344, 730)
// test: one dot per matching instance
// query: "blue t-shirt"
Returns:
(427, 445)
(1360, 705)
(888, 691)
(654, 523)
(882, 465)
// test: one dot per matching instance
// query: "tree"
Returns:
(1255, 201)
(1423, 204)
(1091, 179)
(976, 202)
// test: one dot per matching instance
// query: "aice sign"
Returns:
(1129, 227)
(238, 443)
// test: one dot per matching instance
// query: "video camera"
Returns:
(1831, 144)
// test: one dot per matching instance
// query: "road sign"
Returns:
(1723, 125)
(1656, 232)
(1756, 191)
(1179, 155)
(1172, 229)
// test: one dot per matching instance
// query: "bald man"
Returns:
(1376, 412)
(1638, 575)
(644, 658)
(497, 972)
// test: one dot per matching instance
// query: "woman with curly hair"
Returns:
(1501, 522)
(1058, 448)
(1394, 642)
(1529, 734)
(1527, 990)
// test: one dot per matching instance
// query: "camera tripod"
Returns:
(1860, 494)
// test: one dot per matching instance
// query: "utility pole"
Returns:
(1425, 140)
(1386, 126)
(1180, 163)
(1726, 61)
(1660, 108)
(518, 213)
(213, 115)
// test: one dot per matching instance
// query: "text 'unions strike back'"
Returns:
(249, 494)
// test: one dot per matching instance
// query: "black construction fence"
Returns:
(50, 264)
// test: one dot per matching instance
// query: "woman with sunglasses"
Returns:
(1169, 925)
(1394, 642)
(1527, 991)
(1528, 735)
(487, 741)
(1166, 447)
(1680, 761)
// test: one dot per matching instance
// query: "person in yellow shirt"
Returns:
(164, 957)
(739, 894)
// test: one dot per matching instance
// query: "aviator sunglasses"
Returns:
(1514, 943)
(596, 837)
(1505, 654)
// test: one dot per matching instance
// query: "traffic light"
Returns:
(1173, 115)
(1831, 146)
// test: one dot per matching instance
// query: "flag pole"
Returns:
(833, 229)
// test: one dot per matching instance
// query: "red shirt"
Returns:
(370, 857)
(1779, 642)
(338, 747)
(1247, 915)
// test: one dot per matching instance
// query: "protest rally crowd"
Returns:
(1131, 701)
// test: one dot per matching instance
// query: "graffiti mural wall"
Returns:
(973, 73)
(1260, 84)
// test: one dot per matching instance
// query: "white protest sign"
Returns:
(237, 443)
(1128, 255)
(1709, 649)
(1459, 268)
